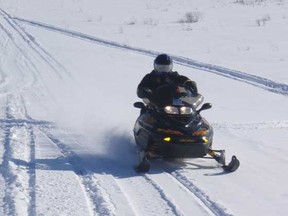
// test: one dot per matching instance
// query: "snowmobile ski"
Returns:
(232, 166)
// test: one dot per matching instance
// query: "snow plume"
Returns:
(120, 147)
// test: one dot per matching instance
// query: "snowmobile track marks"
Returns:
(88, 181)
(18, 160)
(256, 81)
(32, 44)
(21, 133)
(145, 195)
(185, 201)
(214, 207)
(196, 194)
(99, 188)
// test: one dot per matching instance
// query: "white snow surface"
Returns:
(69, 70)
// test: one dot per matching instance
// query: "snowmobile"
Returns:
(171, 126)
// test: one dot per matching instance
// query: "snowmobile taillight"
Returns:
(200, 132)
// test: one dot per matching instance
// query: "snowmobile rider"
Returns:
(161, 75)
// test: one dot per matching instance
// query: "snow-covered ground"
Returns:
(68, 76)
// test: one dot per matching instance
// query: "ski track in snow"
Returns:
(257, 81)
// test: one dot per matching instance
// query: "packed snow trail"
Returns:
(23, 160)
(33, 181)
(257, 81)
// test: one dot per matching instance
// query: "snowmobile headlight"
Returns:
(171, 110)
(178, 110)
(186, 110)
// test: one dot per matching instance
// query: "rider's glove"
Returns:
(192, 86)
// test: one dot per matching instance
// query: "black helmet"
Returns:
(163, 63)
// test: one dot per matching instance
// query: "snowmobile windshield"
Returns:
(174, 95)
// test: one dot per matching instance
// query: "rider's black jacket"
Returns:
(153, 80)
